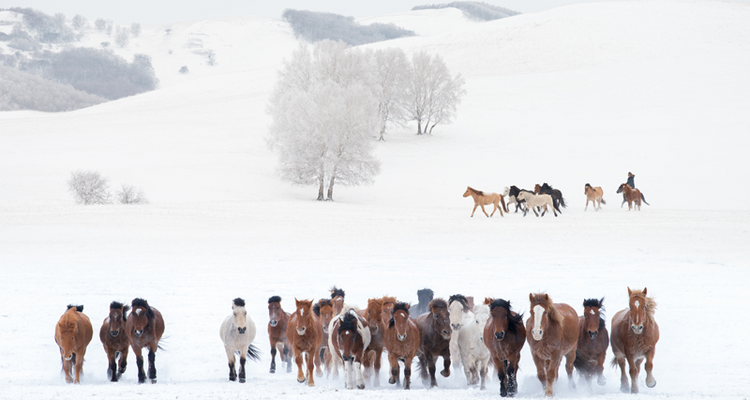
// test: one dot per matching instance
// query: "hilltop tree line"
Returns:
(477, 10)
(316, 26)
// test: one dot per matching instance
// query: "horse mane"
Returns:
(374, 305)
(398, 306)
(438, 303)
(648, 303)
(335, 292)
(477, 192)
(78, 307)
(546, 186)
(274, 299)
(544, 300)
(349, 321)
(514, 320)
(239, 302)
(598, 303)
(119, 306)
(139, 302)
(388, 299)
(461, 299)
(320, 304)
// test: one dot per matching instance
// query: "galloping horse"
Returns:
(634, 337)
(593, 341)
(472, 352)
(594, 195)
(557, 196)
(460, 315)
(304, 335)
(402, 341)
(323, 309)
(277, 323)
(504, 336)
(482, 199)
(552, 332)
(144, 328)
(537, 200)
(114, 343)
(435, 335)
(374, 351)
(632, 196)
(238, 332)
(512, 195)
(349, 337)
(73, 333)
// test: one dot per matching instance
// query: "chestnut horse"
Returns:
(238, 332)
(144, 327)
(634, 337)
(594, 195)
(277, 323)
(304, 335)
(402, 341)
(349, 337)
(504, 336)
(482, 199)
(386, 309)
(435, 336)
(552, 332)
(115, 340)
(374, 351)
(632, 196)
(73, 333)
(593, 341)
(323, 309)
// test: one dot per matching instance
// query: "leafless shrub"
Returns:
(131, 195)
(89, 187)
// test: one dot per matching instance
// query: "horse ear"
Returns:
(645, 290)
(629, 291)
(487, 300)
(546, 296)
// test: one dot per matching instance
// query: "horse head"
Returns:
(503, 319)
(240, 315)
(386, 311)
(537, 189)
(337, 297)
(141, 316)
(400, 320)
(592, 316)
(543, 313)
(619, 190)
(467, 193)
(441, 321)
(587, 188)
(481, 316)
(458, 306)
(274, 310)
(304, 316)
(118, 315)
(350, 334)
(641, 309)
(66, 332)
(374, 314)
(323, 309)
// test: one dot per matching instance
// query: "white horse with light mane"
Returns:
(474, 354)
(238, 332)
(460, 315)
(537, 200)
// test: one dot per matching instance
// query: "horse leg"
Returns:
(633, 369)
(551, 368)
(78, 365)
(601, 380)
(512, 370)
(358, 371)
(139, 362)
(446, 372)
(316, 361)
(570, 358)
(432, 368)
(310, 366)
(273, 359)
(475, 209)
(624, 199)
(112, 367)
(300, 370)
(242, 368)
(482, 375)
(287, 352)
(152, 364)
(393, 361)
(230, 361)
(650, 380)
(501, 368)
(423, 369)
(123, 362)
(376, 366)
(407, 372)
(483, 210)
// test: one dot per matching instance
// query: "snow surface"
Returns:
(573, 95)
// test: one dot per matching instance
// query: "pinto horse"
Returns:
(323, 309)
(115, 344)
(144, 328)
(482, 199)
(73, 334)
(552, 332)
(277, 323)
(593, 341)
(349, 339)
(238, 332)
(557, 196)
(460, 315)
(634, 337)
(504, 336)
(402, 341)
(374, 351)
(594, 195)
(304, 335)
(435, 335)
(474, 355)
(632, 196)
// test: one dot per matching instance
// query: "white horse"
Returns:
(349, 354)
(537, 200)
(510, 199)
(474, 354)
(460, 315)
(238, 332)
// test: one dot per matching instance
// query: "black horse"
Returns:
(513, 193)
(557, 197)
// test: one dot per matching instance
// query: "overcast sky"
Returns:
(167, 11)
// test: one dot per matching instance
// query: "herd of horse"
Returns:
(544, 198)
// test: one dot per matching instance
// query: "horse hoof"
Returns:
(392, 380)
(272, 370)
(153, 381)
(300, 381)
(602, 381)
(362, 386)
(651, 385)
(446, 373)
(624, 389)
(242, 380)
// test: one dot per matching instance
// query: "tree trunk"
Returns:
(419, 127)
(321, 187)
(433, 125)
(330, 186)
(382, 133)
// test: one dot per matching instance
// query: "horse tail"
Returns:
(644, 199)
(502, 201)
(253, 352)
(603, 202)
(562, 202)
(614, 363)
(584, 367)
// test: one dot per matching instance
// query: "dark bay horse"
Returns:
(277, 323)
(552, 333)
(401, 339)
(323, 309)
(435, 335)
(304, 334)
(557, 196)
(115, 340)
(374, 352)
(349, 337)
(593, 341)
(634, 337)
(504, 336)
(632, 196)
(144, 328)
(73, 333)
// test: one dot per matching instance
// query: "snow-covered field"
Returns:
(569, 96)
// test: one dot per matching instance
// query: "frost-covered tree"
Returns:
(135, 29)
(391, 79)
(122, 36)
(325, 112)
(79, 22)
(432, 94)
(88, 187)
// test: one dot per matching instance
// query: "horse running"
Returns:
(594, 195)
(144, 327)
(482, 199)
(277, 323)
(435, 335)
(504, 336)
(557, 196)
(374, 351)
(349, 338)
(634, 337)
(323, 309)
(115, 340)
(304, 335)
(73, 334)
(238, 332)
(593, 341)
(537, 200)
(402, 341)
(474, 355)
(552, 332)
(632, 196)
(460, 315)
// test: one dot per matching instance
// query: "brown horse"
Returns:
(482, 199)
(593, 341)
(337, 297)
(552, 332)
(304, 335)
(401, 339)
(387, 305)
(632, 196)
(435, 336)
(323, 309)
(634, 337)
(349, 338)
(73, 333)
(277, 323)
(115, 340)
(594, 195)
(374, 352)
(144, 329)
(504, 335)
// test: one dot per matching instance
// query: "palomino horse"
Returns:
(537, 200)
(460, 315)
(402, 342)
(473, 353)
(323, 309)
(374, 351)
(277, 323)
(482, 199)
(424, 297)
(634, 337)
(504, 336)
(557, 196)
(632, 196)
(238, 332)
(594, 195)
(73, 333)
(144, 328)
(304, 335)
(337, 297)
(349, 337)
(593, 341)
(435, 335)
(114, 343)
(552, 332)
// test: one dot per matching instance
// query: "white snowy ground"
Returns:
(573, 95)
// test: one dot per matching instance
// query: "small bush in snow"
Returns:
(184, 69)
(88, 187)
(122, 36)
(131, 195)
(79, 22)
(135, 29)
